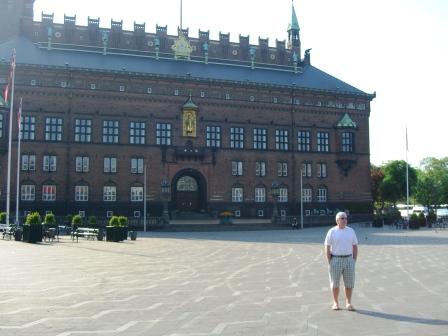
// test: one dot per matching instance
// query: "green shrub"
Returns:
(114, 221)
(2, 217)
(432, 217)
(421, 219)
(69, 218)
(413, 222)
(92, 221)
(50, 219)
(77, 220)
(123, 221)
(33, 219)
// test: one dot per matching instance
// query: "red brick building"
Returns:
(221, 122)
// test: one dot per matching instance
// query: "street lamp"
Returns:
(165, 186)
(275, 191)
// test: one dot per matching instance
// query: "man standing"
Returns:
(341, 250)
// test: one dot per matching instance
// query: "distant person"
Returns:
(294, 224)
(341, 250)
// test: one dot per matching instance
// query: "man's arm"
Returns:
(355, 251)
(328, 253)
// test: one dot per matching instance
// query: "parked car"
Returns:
(442, 213)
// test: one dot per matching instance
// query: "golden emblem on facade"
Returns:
(182, 47)
(189, 123)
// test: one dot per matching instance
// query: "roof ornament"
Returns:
(182, 47)
(105, 38)
(205, 48)
(346, 122)
(157, 45)
(252, 52)
(50, 36)
(295, 59)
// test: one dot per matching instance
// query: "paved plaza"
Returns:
(223, 283)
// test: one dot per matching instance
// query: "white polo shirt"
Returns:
(341, 241)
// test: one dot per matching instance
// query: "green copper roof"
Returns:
(346, 122)
(190, 105)
(294, 25)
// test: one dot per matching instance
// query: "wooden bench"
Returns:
(88, 233)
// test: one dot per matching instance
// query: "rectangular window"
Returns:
(281, 139)
(347, 142)
(260, 168)
(110, 165)
(163, 134)
(283, 195)
(110, 131)
(53, 129)
(48, 192)
(322, 195)
(82, 164)
(306, 169)
(260, 138)
(137, 214)
(213, 136)
(83, 130)
(307, 195)
(28, 192)
(282, 169)
(260, 194)
(323, 143)
(237, 168)
(28, 162)
(137, 165)
(304, 141)
(109, 193)
(237, 194)
(28, 128)
(136, 194)
(81, 193)
(237, 137)
(137, 133)
(49, 163)
(322, 170)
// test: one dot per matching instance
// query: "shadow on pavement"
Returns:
(402, 318)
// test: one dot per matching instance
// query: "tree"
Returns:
(426, 190)
(393, 186)
(436, 170)
(376, 178)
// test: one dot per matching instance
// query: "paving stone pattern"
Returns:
(223, 283)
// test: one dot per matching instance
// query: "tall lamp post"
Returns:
(165, 186)
(301, 199)
(275, 191)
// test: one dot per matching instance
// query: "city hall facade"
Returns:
(203, 125)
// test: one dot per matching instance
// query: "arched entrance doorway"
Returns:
(189, 191)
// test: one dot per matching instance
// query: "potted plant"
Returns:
(2, 217)
(421, 219)
(76, 222)
(92, 221)
(413, 222)
(225, 217)
(124, 226)
(32, 229)
(113, 230)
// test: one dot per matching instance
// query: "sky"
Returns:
(396, 48)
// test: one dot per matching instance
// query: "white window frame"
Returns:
(48, 192)
(27, 192)
(237, 168)
(137, 194)
(322, 194)
(137, 165)
(260, 194)
(307, 195)
(282, 169)
(81, 193)
(82, 164)
(110, 165)
(307, 169)
(322, 170)
(49, 163)
(109, 193)
(237, 194)
(283, 195)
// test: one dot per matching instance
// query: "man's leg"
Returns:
(335, 292)
(348, 295)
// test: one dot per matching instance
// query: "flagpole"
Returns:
(8, 179)
(19, 128)
(407, 175)
(144, 203)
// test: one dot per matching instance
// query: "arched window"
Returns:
(307, 194)
(322, 193)
(260, 193)
(187, 183)
(110, 192)
(283, 194)
(28, 191)
(137, 193)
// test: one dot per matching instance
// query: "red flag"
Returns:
(19, 114)
(11, 71)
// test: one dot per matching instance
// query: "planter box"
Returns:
(114, 233)
(32, 233)
(226, 220)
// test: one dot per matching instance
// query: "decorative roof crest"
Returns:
(182, 47)
(346, 122)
